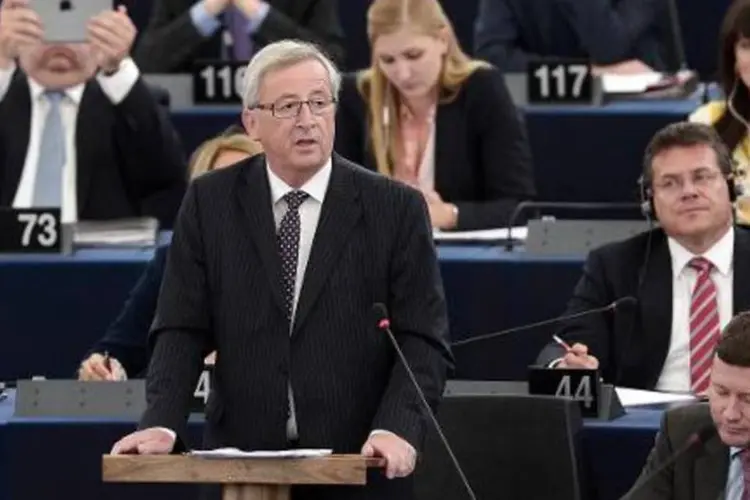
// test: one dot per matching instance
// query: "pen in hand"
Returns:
(562, 343)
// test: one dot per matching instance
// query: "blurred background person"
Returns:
(79, 129)
(720, 465)
(182, 31)
(690, 275)
(619, 36)
(730, 116)
(428, 115)
(122, 352)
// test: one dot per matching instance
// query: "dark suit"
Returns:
(482, 156)
(171, 43)
(632, 343)
(510, 33)
(128, 158)
(126, 337)
(372, 244)
(699, 474)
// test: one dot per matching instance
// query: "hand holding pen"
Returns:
(576, 356)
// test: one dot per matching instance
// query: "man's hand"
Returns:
(19, 26)
(248, 7)
(578, 357)
(111, 34)
(95, 368)
(152, 441)
(399, 455)
(216, 7)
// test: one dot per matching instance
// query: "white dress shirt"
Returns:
(116, 87)
(675, 376)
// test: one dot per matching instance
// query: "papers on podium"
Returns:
(237, 453)
(639, 397)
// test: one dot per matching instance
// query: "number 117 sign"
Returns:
(560, 82)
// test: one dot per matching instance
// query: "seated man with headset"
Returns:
(690, 276)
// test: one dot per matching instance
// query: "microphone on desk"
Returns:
(618, 304)
(384, 324)
(695, 441)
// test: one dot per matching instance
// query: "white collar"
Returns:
(315, 187)
(720, 255)
(74, 93)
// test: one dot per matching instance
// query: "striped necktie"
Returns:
(704, 325)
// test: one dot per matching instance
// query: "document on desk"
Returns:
(485, 235)
(237, 453)
(639, 397)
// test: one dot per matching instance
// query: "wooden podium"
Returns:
(241, 478)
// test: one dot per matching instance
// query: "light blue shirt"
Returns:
(736, 477)
(206, 24)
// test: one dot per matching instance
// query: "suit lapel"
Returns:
(94, 114)
(17, 130)
(710, 470)
(338, 216)
(254, 196)
(655, 303)
(741, 264)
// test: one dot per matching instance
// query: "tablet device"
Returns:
(66, 20)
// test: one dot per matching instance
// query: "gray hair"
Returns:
(280, 55)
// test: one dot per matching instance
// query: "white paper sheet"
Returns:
(516, 233)
(639, 397)
(237, 453)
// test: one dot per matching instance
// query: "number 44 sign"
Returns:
(33, 230)
(582, 386)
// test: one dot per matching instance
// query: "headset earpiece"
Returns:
(647, 208)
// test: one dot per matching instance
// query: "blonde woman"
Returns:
(122, 351)
(427, 114)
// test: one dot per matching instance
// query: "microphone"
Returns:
(384, 324)
(694, 441)
(627, 301)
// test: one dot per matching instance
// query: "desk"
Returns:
(53, 308)
(33, 445)
(580, 153)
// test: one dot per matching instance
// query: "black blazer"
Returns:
(482, 155)
(171, 43)
(129, 161)
(699, 474)
(372, 244)
(126, 338)
(511, 33)
(632, 343)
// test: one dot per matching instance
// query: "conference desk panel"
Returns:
(53, 308)
(580, 153)
(60, 459)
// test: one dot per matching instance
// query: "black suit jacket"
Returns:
(511, 33)
(129, 161)
(699, 474)
(222, 290)
(482, 155)
(171, 43)
(632, 343)
(126, 338)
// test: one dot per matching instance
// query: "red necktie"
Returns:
(704, 325)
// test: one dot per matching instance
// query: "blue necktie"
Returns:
(48, 186)
(241, 45)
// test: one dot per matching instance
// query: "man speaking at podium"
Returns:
(276, 264)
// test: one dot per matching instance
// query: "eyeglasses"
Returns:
(701, 179)
(291, 109)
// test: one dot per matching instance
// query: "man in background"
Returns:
(616, 36)
(79, 129)
(183, 31)
(690, 275)
(717, 463)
